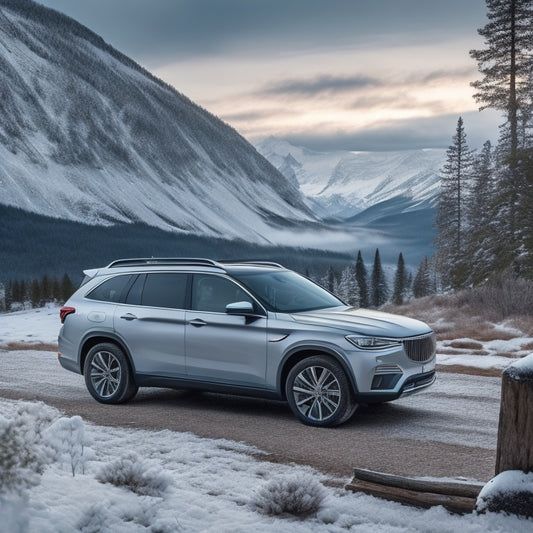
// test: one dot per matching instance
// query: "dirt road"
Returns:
(448, 430)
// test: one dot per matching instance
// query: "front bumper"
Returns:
(412, 385)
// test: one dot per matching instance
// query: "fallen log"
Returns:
(455, 496)
(455, 504)
(469, 489)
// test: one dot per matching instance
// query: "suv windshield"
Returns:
(287, 292)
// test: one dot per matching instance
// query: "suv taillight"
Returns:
(64, 312)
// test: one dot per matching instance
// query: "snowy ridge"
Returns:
(88, 135)
(346, 183)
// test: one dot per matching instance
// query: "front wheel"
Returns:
(107, 374)
(319, 392)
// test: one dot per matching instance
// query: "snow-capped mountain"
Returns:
(87, 134)
(343, 184)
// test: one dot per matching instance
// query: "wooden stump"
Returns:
(515, 430)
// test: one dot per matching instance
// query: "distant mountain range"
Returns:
(88, 135)
(344, 184)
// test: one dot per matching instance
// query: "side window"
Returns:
(110, 290)
(135, 293)
(165, 290)
(213, 293)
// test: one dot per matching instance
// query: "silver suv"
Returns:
(249, 328)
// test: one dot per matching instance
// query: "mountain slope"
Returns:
(88, 135)
(343, 184)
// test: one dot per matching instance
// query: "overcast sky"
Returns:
(327, 74)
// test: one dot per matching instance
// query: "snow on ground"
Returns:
(212, 483)
(34, 326)
(203, 485)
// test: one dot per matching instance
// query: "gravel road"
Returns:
(448, 430)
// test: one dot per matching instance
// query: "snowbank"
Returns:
(202, 485)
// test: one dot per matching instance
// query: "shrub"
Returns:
(136, 474)
(66, 437)
(23, 455)
(298, 495)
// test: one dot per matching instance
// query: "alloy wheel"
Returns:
(317, 393)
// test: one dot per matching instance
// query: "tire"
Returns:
(319, 393)
(108, 376)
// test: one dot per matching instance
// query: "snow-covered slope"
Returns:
(87, 134)
(343, 184)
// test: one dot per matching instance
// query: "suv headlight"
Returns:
(372, 343)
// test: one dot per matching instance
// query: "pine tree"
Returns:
(507, 64)
(481, 245)
(451, 215)
(67, 288)
(361, 277)
(46, 290)
(379, 283)
(35, 293)
(400, 282)
(56, 290)
(16, 292)
(422, 285)
(348, 290)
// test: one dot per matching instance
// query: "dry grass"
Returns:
(39, 346)
(461, 316)
(466, 345)
(470, 370)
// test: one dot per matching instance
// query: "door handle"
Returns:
(128, 316)
(198, 323)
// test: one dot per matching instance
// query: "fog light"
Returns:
(385, 381)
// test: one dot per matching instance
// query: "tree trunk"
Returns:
(515, 431)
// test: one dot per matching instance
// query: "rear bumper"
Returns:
(69, 364)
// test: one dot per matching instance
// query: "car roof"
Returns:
(180, 263)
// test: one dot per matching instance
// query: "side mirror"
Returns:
(240, 308)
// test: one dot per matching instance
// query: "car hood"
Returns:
(364, 322)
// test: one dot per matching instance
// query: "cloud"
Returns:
(320, 84)
(434, 132)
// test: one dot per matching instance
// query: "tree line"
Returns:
(21, 294)
(355, 286)
(485, 214)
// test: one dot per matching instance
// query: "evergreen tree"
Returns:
(507, 65)
(67, 288)
(481, 217)
(9, 295)
(422, 285)
(46, 290)
(329, 281)
(56, 290)
(379, 283)
(35, 293)
(400, 282)
(451, 216)
(361, 277)
(16, 292)
(348, 290)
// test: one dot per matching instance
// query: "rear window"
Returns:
(110, 290)
(164, 290)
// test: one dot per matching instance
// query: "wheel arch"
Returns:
(300, 353)
(97, 338)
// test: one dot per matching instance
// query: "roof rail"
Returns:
(251, 262)
(196, 261)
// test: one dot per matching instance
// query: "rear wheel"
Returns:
(107, 374)
(319, 392)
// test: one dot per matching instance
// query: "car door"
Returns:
(220, 347)
(152, 323)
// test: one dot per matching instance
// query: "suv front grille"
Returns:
(420, 349)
